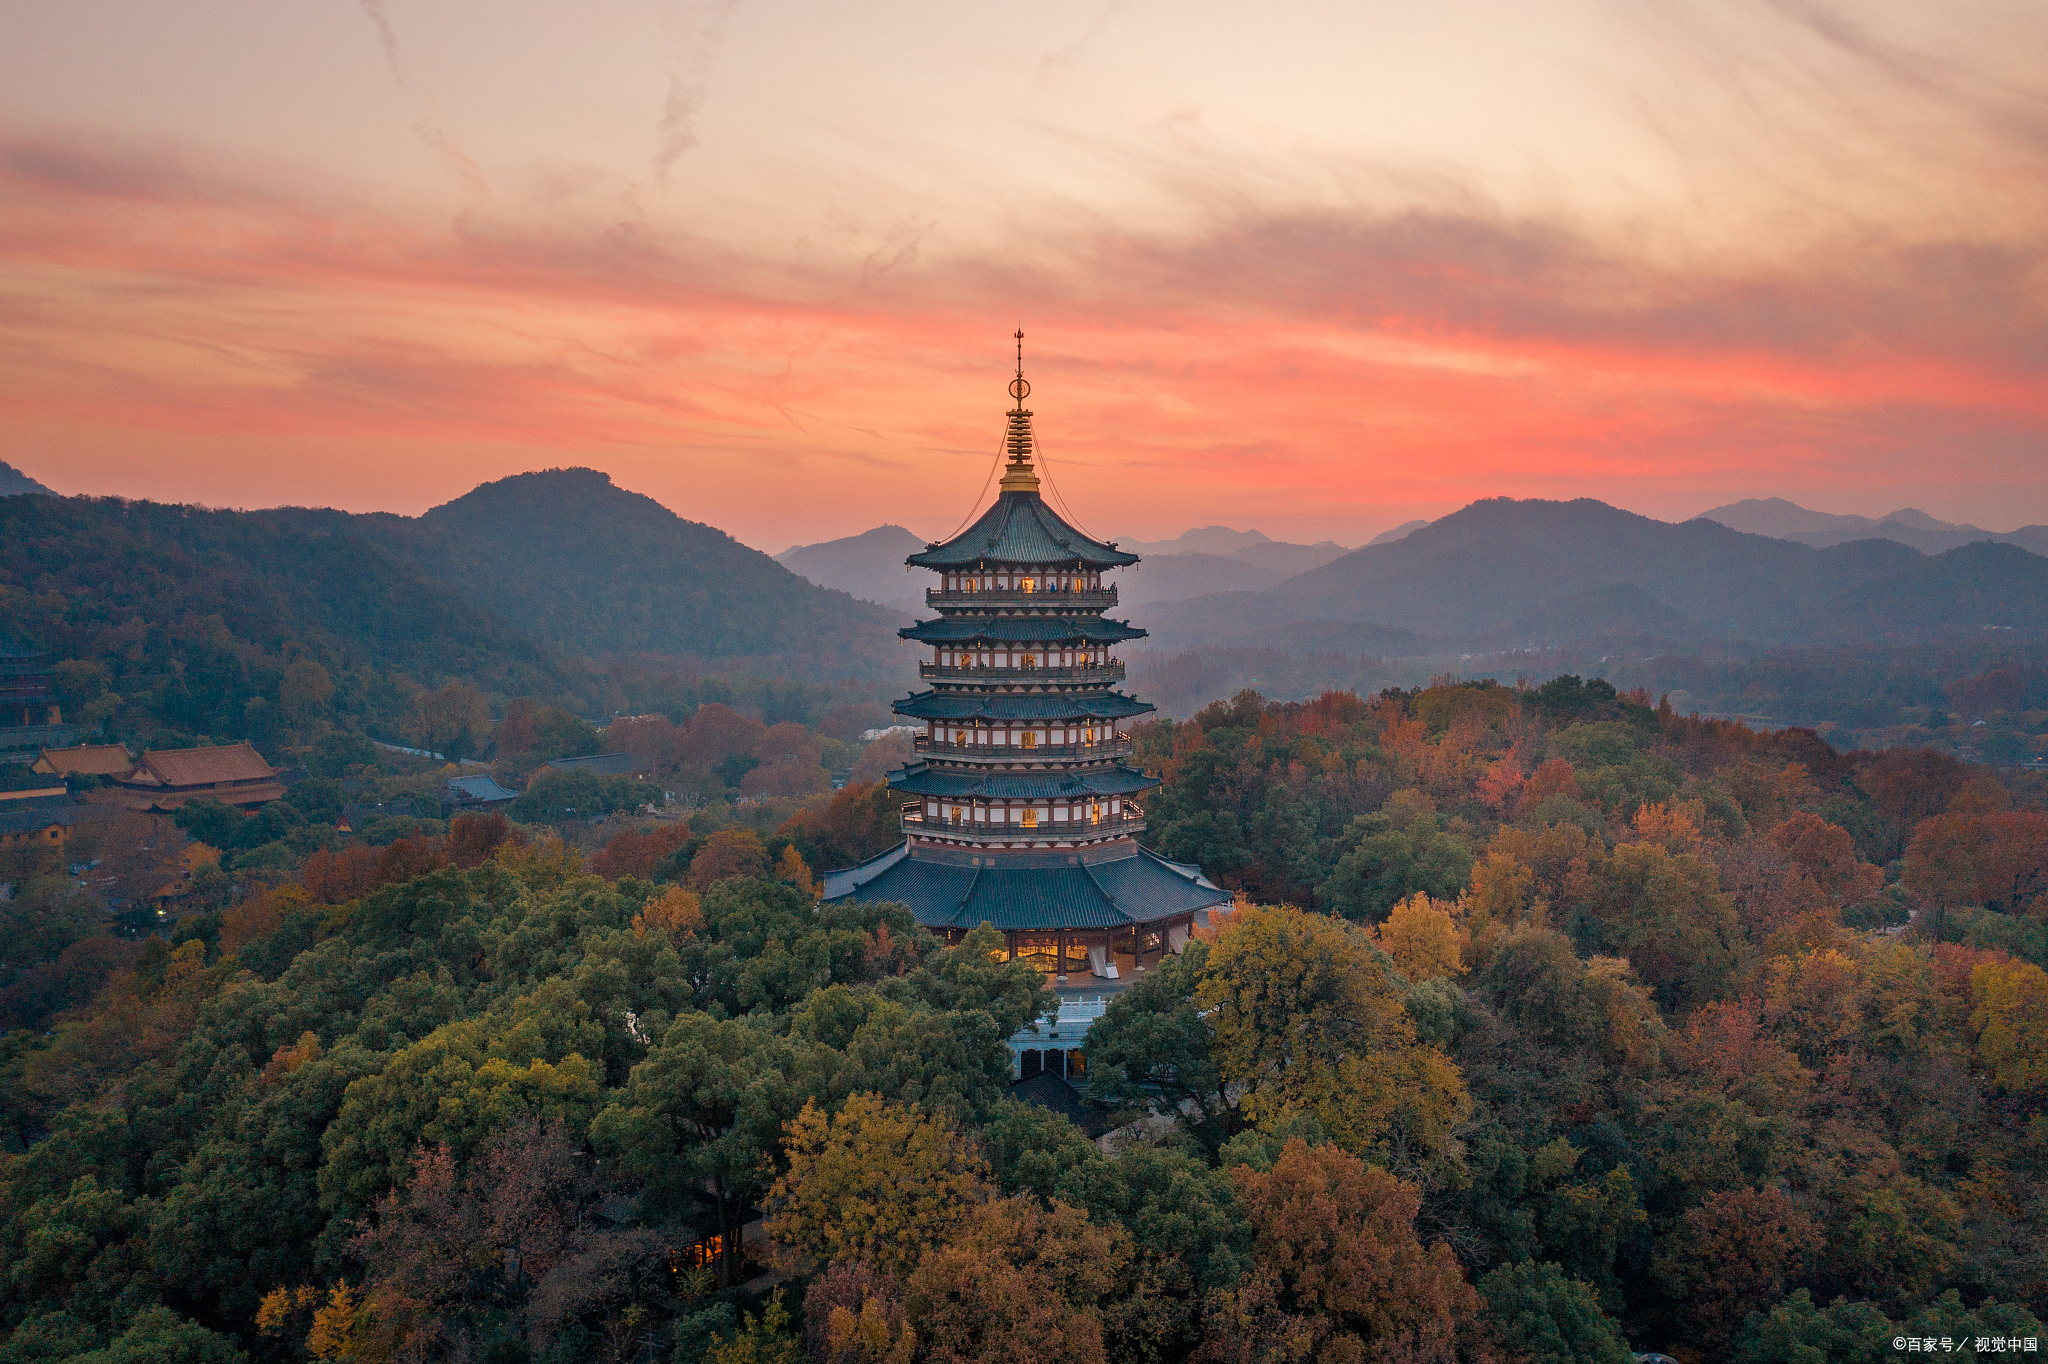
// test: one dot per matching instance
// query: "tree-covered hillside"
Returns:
(1550, 1025)
(596, 570)
(221, 623)
(168, 623)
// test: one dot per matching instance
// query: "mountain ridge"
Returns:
(1520, 573)
(1784, 520)
(14, 482)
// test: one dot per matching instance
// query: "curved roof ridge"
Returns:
(1096, 881)
(997, 536)
(967, 895)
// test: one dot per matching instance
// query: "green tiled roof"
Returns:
(1116, 781)
(1021, 529)
(1140, 889)
(934, 705)
(1025, 629)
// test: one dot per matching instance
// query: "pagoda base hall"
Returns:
(1020, 812)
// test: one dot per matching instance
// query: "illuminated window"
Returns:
(1030, 739)
(1031, 819)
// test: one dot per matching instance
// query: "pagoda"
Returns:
(1022, 813)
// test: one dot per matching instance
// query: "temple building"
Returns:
(1022, 813)
(167, 779)
(29, 717)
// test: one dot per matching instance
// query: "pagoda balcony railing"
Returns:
(1102, 750)
(1088, 599)
(1112, 671)
(1126, 824)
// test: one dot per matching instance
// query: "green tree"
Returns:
(1385, 863)
(1546, 1317)
(160, 1336)
(1153, 1047)
(704, 1114)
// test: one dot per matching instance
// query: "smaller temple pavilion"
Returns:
(1021, 812)
(168, 778)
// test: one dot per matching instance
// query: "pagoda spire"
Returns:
(1018, 475)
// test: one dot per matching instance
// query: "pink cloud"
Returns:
(175, 332)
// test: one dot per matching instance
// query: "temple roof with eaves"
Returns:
(1021, 529)
(937, 705)
(919, 780)
(1142, 888)
(1024, 629)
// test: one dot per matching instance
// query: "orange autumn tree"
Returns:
(676, 914)
(1341, 1275)
(1019, 1283)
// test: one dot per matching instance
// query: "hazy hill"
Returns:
(1400, 532)
(1528, 573)
(1176, 577)
(593, 569)
(13, 480)
(1288, 560)
(1251, 546)
(1200, 540)
(1783, 520)
(868, 566)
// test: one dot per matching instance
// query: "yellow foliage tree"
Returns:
(334, 1325)
(677, 914)
(1307, 1019)
(2009, 1014)
(1503, 890)
(1290, 995)
(878, 1181)
(1422, 938)
(792, 870)
(545, 864)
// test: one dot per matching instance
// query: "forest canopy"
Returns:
(1549, 1024)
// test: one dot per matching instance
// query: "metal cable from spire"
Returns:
(1045, 467)
(975, 509)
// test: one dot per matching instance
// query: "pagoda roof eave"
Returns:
(1143, 888)
(921, 780)
(1020, 529)
(934, 705)
(1024, 629)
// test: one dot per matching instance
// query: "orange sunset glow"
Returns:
(1314, 268)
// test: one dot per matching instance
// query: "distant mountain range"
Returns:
(13, 480)
(1782, 520)
(1503, 573)
(1201, 561)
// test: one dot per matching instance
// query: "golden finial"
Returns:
(1018, 475)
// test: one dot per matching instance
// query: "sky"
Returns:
(1310, 267)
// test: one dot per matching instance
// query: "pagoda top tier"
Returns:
(1020, 528)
